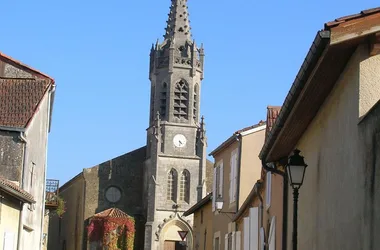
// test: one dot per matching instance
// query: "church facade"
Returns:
(157, 183)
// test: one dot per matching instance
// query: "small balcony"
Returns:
(52, 192)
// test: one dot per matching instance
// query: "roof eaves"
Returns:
(256, 188)
(319, 44)
(198, 205)
(18, 195)
(242, 132)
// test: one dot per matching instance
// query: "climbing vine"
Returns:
(61, 208)
(113, 233)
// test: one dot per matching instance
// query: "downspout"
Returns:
(20, 226)
(239, 138)
(284, 202)
(51, 91)
(20, 221)
(257, 186)
(25, 141)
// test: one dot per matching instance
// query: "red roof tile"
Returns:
(5, 184)
(19, 100)
(112, 213)
(272, 114)
(340, 20)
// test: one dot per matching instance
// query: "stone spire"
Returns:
(178, 24)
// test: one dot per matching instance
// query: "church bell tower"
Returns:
(175, 168)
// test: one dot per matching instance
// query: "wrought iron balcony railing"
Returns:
(52, 192)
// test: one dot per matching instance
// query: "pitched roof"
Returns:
(14, 190)
(198, 205)
(231, 139)
(112, 213)
(19, 100)
(327, 57)
(272, 114)
(344, 19)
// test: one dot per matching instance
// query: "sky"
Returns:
(98, 54)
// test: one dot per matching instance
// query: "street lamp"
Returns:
(296, 171)
(219, 205)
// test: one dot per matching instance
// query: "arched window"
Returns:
(163, 98)
(172, 185)
(195, 104)
(185, 187)
(181, 100)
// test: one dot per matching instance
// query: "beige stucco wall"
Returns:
(10, 214)
(250, 172)
(338, 205)
(250, 163)
(202, 232)
(275, 209)
(220, 221)
(71, 227)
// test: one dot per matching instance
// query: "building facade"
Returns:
(27, 97)
(237, 168)
(202, 226)
(332, 115)
(157, 183)
(262, 210)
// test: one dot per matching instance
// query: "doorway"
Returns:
(173, 245)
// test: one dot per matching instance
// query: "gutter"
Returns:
(20, 227)
(240, 140)
(321, 41)
(22, 137)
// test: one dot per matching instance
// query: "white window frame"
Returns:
(268, 189)
(272, 234)
(246, 234)
(216, 235)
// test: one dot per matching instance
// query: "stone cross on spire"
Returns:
(178, 24)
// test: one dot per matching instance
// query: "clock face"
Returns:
(113, 194)
(179, 141)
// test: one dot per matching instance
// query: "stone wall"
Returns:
(11, 155)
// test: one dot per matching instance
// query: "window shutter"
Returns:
(253, 228)
(235, 184)
(272, 234)
(9, 241)
(226, 242)
(233, 240)
(214, 190)
(238, 240)
(262, 239)
(268, 191)
(246, 233)
(221, 180)
(231, 177)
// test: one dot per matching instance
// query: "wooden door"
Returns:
(169, 245)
